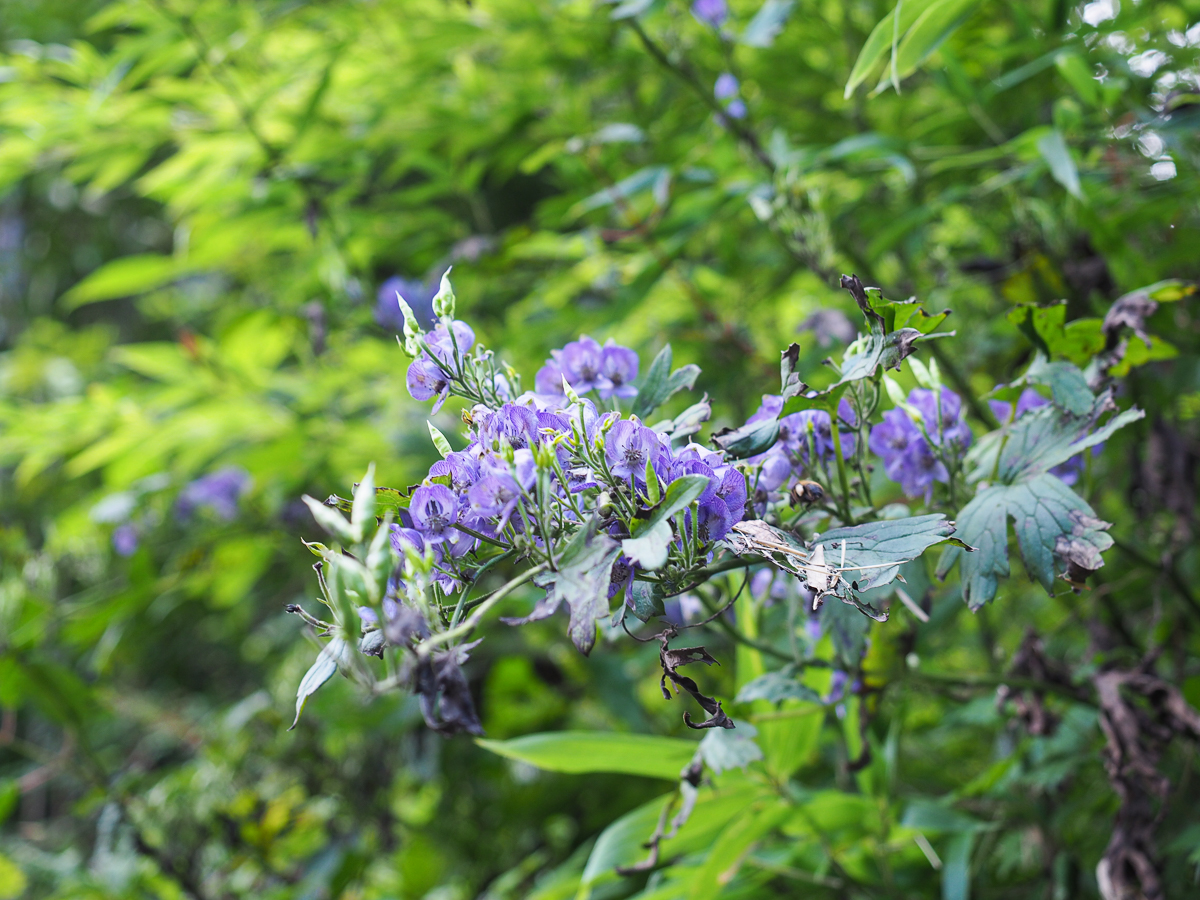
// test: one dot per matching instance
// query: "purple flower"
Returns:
(713, 519)
(712, 13)
(949, 427)
(776, 469)
(450, 344)
(218, 492)
(580, 362)
(736, 109)
(426, 380)
(629, 446)
(549, 379)
(125, 539)
(462, 468)
(417, 294)
(618, 368)
(906, 456)
(410, 537)
(434, 510)
(732, 491)
(517, 425)
(726, 86)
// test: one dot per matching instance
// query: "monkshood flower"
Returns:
(512, 424)
(427, 381)
(628, 447)
(125, 539)
(418, 295)
(434, 510)
(914, 455)
(618, 371)
(950, 429)
(726, 90)
(907, 458)
(451, 345)
(795, 429)
(461, 466)
(586, 366)
(218, 492)
(1069, 471)
(712, 13)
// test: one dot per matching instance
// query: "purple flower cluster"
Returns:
(429, 375)
(219, 492)
(491, 487)
(913, 454)
(1030, 399)
(609, 370)
(799, 433)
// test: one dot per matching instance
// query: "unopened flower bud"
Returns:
(443, 300)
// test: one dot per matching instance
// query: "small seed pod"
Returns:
(806, 493)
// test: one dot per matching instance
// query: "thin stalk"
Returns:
(467, 626)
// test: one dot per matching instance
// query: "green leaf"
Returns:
(363, 510)
(578, 752)
(648, 548)
(320, 672)
(881, 40)
(748, 440)
(776, 687)
(12, 880)
(660, 383)
(1047, 437)
(882, 547)
(1067, 384)
(1051, 522)
(124, 277)
(733, 846)
(330, 519)
(10, 793)
(956, 867)
(725, 748)
(928, 33)
(1053, 149)
(439, 441)
(767, 23)
(620, 844)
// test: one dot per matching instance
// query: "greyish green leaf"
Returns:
(1067, 384)
(876, 550)
(724, 748)
(767, 23)
(1054, 527)
(1047, 437)
(581, 580)
(648, 548)
(748, 440)
(776, 687)
(320, 672)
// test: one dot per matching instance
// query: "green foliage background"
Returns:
(198, 203)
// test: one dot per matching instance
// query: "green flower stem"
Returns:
(423, 649)
(841, 468)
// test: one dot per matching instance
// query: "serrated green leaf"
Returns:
(654, 384)
(1045, 513)
(1067, 384)
(882, 547)
(1047, 437)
